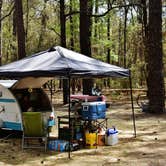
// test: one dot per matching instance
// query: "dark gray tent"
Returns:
(61, 62)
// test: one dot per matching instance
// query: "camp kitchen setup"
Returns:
(86, 122)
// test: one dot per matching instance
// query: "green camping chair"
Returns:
(34, 130)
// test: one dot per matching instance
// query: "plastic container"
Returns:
(101, 139)
(58, 145)
(93, 110)
(91, 140)
(111, 137)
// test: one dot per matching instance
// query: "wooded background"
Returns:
(127, 33)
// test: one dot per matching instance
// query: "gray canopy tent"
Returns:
(61, 62)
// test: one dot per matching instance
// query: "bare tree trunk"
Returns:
(43, 25)
(108, 38)
(27, 18)
(119, 42)
(156, 89)
(63, 44)
(85, 34)
(1, 2)
(125, 36)
(20, 29)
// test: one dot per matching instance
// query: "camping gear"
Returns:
(93, 110)
(101, 139)
(91, 140)
(34, 129)
(111, 136)
(64, 63)
(13, 104)
(58, 145)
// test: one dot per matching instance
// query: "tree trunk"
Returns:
(73, 80)
(119, 42)
(27, 18)
(156, 90)
(85, 34)
(125, 36)
(108, 38)
(20, 29)
(1, 2)
(43, 25)
(63, 44)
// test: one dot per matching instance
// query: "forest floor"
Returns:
(147, 149)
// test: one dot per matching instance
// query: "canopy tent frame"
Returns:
(61, 62)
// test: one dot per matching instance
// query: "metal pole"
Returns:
(132, 105)
(69, 118)
(51, 92)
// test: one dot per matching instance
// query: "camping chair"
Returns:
(34, 130)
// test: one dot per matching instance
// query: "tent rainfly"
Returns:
(62, 62)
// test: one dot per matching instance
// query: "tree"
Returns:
(1, 2)
(63, 44)
(44, 19)
(85, 34)
(156, 90)
(20, 29)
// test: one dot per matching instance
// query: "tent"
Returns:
(61, 62)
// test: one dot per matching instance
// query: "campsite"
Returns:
(82, 82)
(148, 148)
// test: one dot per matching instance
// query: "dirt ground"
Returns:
(147, 149)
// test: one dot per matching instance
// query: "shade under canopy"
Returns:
(59, 61)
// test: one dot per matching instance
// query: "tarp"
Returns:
(59, 61)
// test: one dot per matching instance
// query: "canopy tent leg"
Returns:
(69, 150)
(51, 91)
(132, 105)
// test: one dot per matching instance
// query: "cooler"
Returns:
(93, 110)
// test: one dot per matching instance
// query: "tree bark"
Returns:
(156, 90)
(63, 44)
(125, 36)
(20, 29)
(1, 2)
(43, 25)
(85, 34)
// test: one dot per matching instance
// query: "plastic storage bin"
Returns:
(111, 137)
(91, 140)
(93, 110)
(58, 145)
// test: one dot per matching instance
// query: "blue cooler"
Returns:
(93, 110)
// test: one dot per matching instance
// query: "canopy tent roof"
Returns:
(59, 61)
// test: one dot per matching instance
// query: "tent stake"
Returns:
(132, 105)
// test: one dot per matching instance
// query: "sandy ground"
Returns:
(147, 149)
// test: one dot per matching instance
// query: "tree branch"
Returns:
(10, 12)
(105, 13)
(115, 7)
